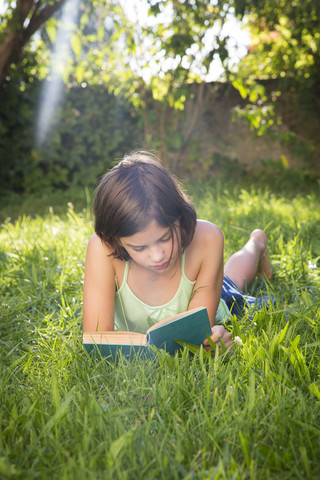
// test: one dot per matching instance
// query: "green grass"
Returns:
(251, 415)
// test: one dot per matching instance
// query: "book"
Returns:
(188, 327)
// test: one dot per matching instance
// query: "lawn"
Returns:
(251, 415)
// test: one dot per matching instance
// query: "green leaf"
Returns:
(51, 31)
(239, 85)
(76, 45)
(59, 414)
(315, 390)
(118, 447)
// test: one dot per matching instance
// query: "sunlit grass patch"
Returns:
(254, 414)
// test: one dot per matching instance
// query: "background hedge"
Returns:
(91, 130)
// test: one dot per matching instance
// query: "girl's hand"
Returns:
(219, 332)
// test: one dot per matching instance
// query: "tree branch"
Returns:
(17, 36)
(41, 16)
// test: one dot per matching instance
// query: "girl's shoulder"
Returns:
(101, 254)
(97, 249)
(95, 243)
(206, 233)
(207, 244)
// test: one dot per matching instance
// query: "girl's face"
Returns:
(153, 248)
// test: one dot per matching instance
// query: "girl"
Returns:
(150, 257)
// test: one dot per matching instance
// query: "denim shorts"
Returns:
(238, 301)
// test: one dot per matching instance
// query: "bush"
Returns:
(92, 129)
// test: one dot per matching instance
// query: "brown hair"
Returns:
(135, 192)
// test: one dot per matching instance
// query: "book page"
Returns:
(115, 338)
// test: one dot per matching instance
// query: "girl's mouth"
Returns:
(163, 266)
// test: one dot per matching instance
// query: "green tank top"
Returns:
(131, 314)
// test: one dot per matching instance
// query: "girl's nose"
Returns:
(157, 254)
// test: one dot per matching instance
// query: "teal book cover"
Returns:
(113, 350)
(193, 327)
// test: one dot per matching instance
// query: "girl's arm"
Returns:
(99, 287)
(207, 250)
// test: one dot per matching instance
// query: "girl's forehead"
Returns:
(151, 233)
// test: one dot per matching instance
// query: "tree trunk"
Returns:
(17, 34)
(196, 109)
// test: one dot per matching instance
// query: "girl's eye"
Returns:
(138, 249)
(166, 239)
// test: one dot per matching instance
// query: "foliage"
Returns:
(91, 131)
(254, 414)
(183, 38)
(152, 65)
(181, 53)
(285, 41)
(285, 47)
(19, 21)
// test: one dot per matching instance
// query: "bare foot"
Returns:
(264, 266)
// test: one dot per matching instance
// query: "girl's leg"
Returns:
(253, 259)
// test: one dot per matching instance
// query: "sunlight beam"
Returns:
(52, 92)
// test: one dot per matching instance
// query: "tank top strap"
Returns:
(126, 270)
(183, 258)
